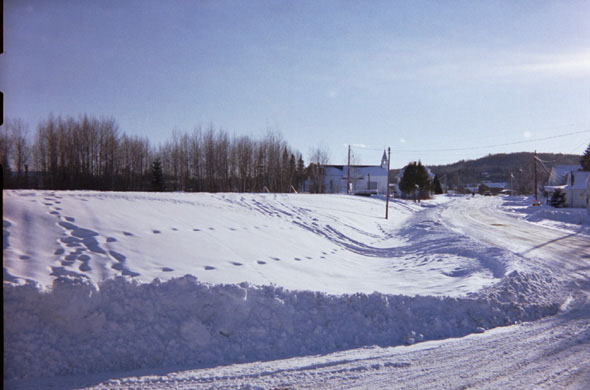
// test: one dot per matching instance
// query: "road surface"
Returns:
(541, 247)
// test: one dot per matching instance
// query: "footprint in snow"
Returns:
(209, 268)
(118, 256)
(166, 269)
(236, 263)
(275, 258)
(298, 259)
(156, 231)
(84, 267)
(70, 219)
(261, 262)
(128, 234)
(111, 239)
(196, 230)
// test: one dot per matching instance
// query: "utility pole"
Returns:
(535, 161)
(387, 197)
(348, 173)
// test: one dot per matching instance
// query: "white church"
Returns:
(364, 179)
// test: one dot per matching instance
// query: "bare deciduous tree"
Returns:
(91, 153)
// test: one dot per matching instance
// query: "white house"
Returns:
(576, 190)
(364, 179)
(573, 182)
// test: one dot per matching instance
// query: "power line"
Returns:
(490, 146)
(378, 149)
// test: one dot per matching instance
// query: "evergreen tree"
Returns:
(557, 199)
(415, 180)
(436, 187)
(585, 161)
(157, 176)
(300, 174)
(292, 172)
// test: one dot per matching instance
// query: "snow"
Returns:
(329, 243)
(571, 219)
(98, 283)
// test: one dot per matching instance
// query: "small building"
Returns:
(495, 188)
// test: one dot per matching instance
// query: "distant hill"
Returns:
(499, 167)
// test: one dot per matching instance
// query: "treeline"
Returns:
(92, 153)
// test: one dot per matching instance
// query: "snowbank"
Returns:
(75, 328)
(568, 219)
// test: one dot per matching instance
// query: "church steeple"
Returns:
(384, 160)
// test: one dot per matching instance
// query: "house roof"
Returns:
(373, 170)
(567, 168)
(496, 185)
(562, 170)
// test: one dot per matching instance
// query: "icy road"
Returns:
(557, 250)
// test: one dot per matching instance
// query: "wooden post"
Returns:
(387, 181)
(348, 173)
(535, 161)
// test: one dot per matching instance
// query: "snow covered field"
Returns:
(245, 290)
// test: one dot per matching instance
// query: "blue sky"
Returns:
(438, 81)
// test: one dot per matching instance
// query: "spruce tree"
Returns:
(585, 161)
(300, 174)
(436, 187)
(157, 176)
(415, 180)
(423, 180)
(407, 183)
